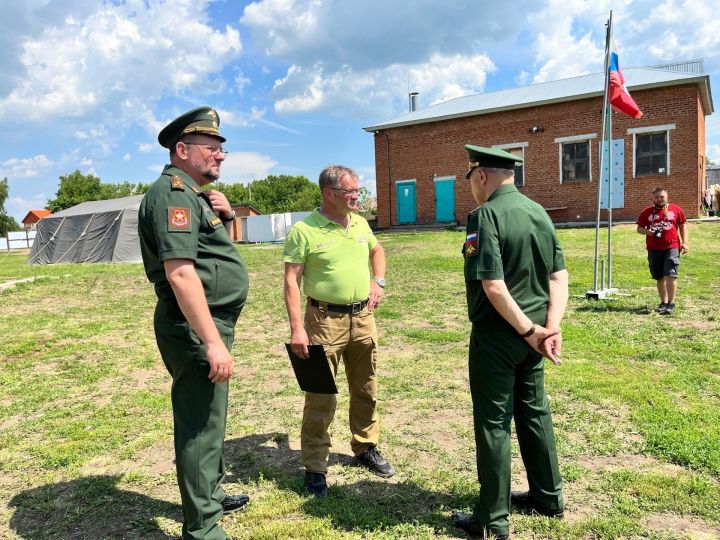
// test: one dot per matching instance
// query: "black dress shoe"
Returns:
(467, 523)
(374, 461)
(233, 503)
(522, 500)
(316, 484)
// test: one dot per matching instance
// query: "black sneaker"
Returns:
(669, 308)
(374, 461)
(316, 484)
(661, 307)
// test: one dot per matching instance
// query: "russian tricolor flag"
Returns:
(619, 96)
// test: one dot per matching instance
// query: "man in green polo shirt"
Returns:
(517, 291)
(201, 284)
(327, 254)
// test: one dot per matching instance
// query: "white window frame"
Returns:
(512, 146)
(651, 129)
(587, 137)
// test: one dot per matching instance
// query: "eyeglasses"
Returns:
(214, 149)
(347, 191)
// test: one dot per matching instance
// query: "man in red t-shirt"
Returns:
(665, 230)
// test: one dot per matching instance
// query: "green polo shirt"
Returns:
(510, 237)
(176, 221)
(335, 259)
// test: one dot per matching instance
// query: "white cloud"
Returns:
(245, 167)
(570, 38)
(147, 147)
(679, 30)
(127, 157)
(106, 66)
(241, 81)
(354, 58)
(440, 78)
(25, 167)
(18, 207)
(713, 153)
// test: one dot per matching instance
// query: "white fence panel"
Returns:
(18, 240)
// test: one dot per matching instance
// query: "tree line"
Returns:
(274, 194)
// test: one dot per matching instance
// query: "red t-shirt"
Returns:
(669, 218)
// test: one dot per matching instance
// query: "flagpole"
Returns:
(606, 73)
(610, 168)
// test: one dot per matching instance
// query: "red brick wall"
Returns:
(421, 151)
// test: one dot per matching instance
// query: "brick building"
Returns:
(556, 127)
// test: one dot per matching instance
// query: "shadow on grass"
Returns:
(365, 506)
(89, 507)
(609, 307)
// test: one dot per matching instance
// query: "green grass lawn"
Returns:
(86, 425)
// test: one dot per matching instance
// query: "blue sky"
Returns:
(87, 84)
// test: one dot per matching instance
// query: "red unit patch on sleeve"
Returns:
(178, 219)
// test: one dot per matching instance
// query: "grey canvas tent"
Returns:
(93, 231)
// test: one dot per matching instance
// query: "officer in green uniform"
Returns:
(201, 284)
(517, 293)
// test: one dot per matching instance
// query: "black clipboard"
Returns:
(313, 374)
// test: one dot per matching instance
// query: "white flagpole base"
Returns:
(600, 294)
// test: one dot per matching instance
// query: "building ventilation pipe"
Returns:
(413, 99)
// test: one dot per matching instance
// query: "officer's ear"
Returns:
(181, 150)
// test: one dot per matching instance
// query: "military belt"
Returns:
(355, 307)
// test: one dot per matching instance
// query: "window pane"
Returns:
(658, 164)
(643, 144)
(581, 170)
(581, 150)
(643, 165)
(519, 180)
(658, 142)
(569, 151)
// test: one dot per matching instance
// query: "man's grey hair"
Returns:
(502, 173)
(331, 175)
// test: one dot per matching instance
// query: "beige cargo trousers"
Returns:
(351, 337)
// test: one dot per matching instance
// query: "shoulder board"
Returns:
(177, 183)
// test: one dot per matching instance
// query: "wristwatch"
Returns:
(380, 281)
(228, 219)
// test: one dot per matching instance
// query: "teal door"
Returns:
(405, 192)
(445, 199)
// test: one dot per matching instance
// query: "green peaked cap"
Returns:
(479, 156)
(204, 120)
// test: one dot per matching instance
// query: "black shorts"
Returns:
(664, 263)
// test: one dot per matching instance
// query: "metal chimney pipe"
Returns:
(413, 98)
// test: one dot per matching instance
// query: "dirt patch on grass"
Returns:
(693, 324)
(633, 462)
(691, 527)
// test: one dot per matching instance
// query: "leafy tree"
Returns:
(76, 188)
(235, 193)
(284, 193)
(274, 194)
(7, 223)
(367, 203)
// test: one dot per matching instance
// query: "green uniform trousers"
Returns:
(352, 337)
(507, 380)
(199, 415)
